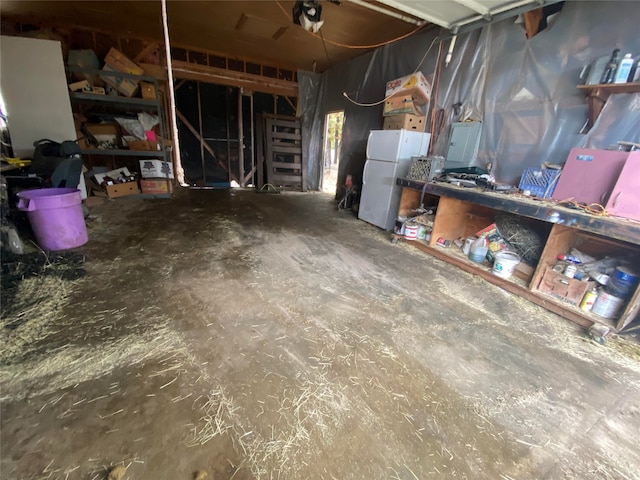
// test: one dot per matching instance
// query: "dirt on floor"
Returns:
(232, 334)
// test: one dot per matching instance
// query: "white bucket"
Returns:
(505, 263)
(410, 231)
(607, 305)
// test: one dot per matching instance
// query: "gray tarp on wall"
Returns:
(523, 90)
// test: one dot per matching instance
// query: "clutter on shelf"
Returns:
(600, 286)
(614, 68)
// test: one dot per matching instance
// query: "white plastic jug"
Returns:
(479, 250)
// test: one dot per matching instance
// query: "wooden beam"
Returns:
(206, 146)
(241, 21)
(295, 109)
(231, 78)
(281, 31)
(145, 52)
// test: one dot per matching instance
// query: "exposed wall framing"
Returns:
(189, 63)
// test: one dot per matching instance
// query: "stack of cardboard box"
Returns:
(406, 97)
(157, 176)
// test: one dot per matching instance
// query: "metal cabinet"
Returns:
(463, 144)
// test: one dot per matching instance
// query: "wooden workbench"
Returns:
(463, 211)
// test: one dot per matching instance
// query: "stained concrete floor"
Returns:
(270, 336)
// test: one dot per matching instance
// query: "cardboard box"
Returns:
(562, 287)
(496, 242)
(82, 85)
(105, 132)
(115, 174)
(415, 85)
(148, 90)
(125, 86)
(153, 168)
(119, 62)
(401, 105)
(406, 121)
(143, 145)
(122, 189)
(156, 185)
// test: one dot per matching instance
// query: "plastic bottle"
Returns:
(634, 76)
(610, 69)
(479, 249)
(624, 68)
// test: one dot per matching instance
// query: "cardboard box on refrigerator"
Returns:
(405, 121)
(415, 85)
(400, 105)
(154, 168)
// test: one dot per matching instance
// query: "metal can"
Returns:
(570, 270)
(442, 242)
(588, 300)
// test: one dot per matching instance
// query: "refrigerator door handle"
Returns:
(364, 172)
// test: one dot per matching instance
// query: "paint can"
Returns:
(570, 270)
(622, 283)
(422, 232)
(589, 299)
(410, 231)
(607, 305)
(505, 263)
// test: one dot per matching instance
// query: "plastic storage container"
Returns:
(56, 217)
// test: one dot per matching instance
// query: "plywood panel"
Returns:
(34, 88)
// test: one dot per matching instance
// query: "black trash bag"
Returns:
(49, 154)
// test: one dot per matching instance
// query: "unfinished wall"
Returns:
(523, 89)
(34, 89)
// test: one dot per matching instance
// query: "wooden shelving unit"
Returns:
(599, 94)
(463, 211)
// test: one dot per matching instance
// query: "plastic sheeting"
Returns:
(524, 90)
(312, 121)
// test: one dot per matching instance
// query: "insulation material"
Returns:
(524, 90)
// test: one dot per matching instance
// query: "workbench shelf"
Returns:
(462, 212)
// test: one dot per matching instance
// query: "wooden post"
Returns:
(204, 177)
(172, 95)
(240, 141)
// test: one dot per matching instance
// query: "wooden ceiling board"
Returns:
(212, 26)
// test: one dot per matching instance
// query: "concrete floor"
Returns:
(270, 336)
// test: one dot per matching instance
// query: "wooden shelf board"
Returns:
(612, 87)
(79, 97)
(123, 153)
(512, 285)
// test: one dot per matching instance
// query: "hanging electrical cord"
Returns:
(344, 45)
(325, 48)
(346, 95)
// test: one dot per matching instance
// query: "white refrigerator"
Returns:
(389, 155)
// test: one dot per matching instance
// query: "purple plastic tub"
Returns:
(56, 217)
